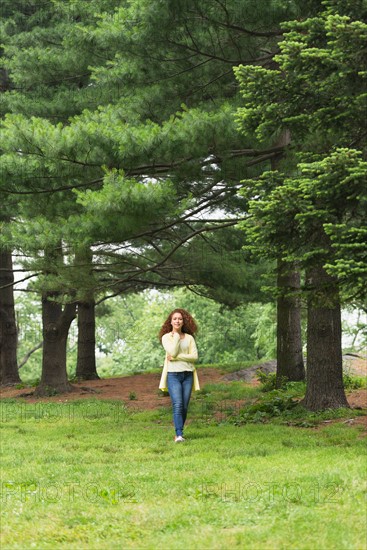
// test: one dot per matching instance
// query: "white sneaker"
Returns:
(179, 439)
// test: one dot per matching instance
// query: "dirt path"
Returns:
(143, 386)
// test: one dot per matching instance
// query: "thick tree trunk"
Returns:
(86, 360)
(290, 366)
(8, 329)
(324, 351)
(56, 323)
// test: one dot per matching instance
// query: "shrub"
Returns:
(275, 405)
(352, 382)
(269, 380)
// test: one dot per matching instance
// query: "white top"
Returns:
(183, 351)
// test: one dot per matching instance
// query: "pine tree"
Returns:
(318, 94)
(42, 77)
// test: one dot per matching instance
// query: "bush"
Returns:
(269, 380)
(275, 405)
(353, 382)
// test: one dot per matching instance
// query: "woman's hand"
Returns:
(169, 357)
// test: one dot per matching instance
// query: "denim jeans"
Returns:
(179, 387)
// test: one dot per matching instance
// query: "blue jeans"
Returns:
(179, 387)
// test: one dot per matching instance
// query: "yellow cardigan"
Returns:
(163, 380)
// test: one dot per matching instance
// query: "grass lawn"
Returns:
(90, 474)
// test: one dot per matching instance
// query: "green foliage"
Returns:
(282, 406)
(268, 383)
(267, 380)
(102, 100)
(274, 406)
(355, 329)
(265, 332)
(127, 329)
(128, 326)
(128, 334)
(313, 210)
(318, 92)
(292, 216)
(353, 382)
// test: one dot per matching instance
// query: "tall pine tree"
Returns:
(318, 94)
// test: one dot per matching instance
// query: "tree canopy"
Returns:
(318, 95)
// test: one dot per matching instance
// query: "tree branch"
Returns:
(27, 355)
(20, 281)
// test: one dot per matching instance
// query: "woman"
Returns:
(179, 374)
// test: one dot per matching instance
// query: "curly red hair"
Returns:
(189, 325)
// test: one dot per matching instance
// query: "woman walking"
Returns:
(179, 375)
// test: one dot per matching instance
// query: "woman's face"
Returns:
(177, 321)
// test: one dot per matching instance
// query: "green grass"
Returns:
(228, 367)
(225, 367)
(94, 475)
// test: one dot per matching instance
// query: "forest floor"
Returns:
(140, 391)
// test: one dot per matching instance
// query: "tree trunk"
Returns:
(56, 323)
(8, 328)
(290, 366)
(324, 351)
(86, 361)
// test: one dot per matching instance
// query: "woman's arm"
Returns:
(192, 356)
(171, 343)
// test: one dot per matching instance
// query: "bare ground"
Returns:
(143, 387)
